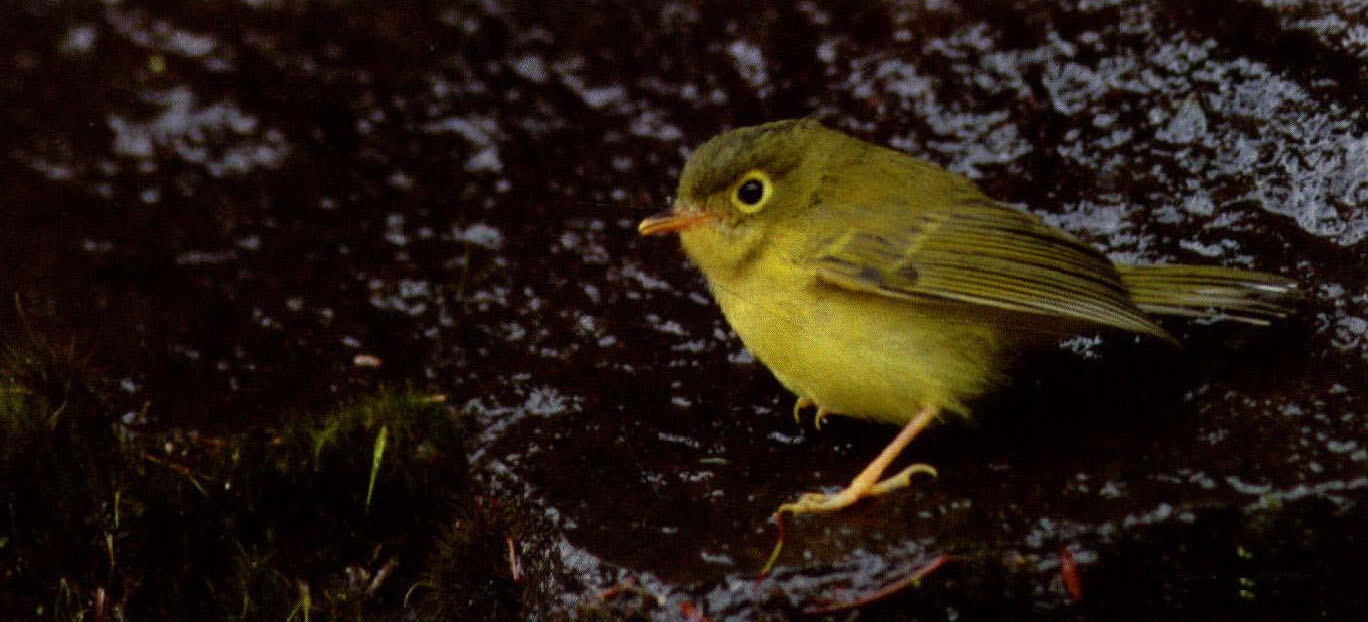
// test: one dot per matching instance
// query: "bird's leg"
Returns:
(802, 402)
(867, 483)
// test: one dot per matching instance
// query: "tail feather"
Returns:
(1210, 292)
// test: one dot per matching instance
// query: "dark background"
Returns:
(222, 204)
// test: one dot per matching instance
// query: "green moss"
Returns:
(469, 575)
(99, 520)
(55, 486)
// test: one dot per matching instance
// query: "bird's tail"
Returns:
(1210, 292)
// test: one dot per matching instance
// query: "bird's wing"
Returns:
(981, 252)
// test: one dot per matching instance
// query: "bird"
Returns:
(880, 286)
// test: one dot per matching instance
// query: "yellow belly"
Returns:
(862, 355)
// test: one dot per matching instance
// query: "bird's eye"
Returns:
(752, 192)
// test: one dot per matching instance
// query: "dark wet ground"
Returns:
(227, 203)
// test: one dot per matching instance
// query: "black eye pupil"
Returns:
(751, 192)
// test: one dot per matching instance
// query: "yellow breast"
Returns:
(855, 354)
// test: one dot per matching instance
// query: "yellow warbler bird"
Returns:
(880, 286)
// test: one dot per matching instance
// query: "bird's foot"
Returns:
(870, 482)
(804, 402)
(814, 502)
(866, 484)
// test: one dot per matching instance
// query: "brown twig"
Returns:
(101, 605)
(380, 575)
(622, 586)
(885, 591)
(514, 566)
(1068, 572)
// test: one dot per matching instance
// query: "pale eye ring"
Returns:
(751, 193)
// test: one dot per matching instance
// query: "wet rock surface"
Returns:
(227, 204)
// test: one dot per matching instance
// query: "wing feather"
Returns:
(980, 252)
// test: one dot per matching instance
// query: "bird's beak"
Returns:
(681, 217)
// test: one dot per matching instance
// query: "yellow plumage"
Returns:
(880, 286)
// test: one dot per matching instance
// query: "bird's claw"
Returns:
(798, 406)
(804, 402)
(903, 479)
